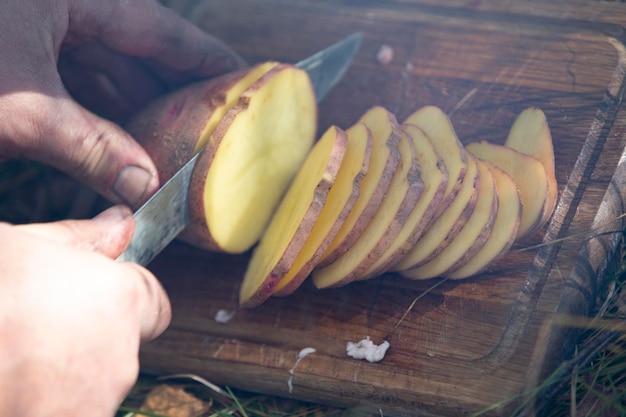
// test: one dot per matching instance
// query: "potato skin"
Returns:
(169, 128)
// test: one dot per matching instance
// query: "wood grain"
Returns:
(462, 346)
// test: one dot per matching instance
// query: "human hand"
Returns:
(71, 318)
(114, 57)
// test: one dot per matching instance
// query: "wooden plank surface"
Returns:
(463, 345)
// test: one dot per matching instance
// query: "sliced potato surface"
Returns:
(294, 219)
(252, 156)
(438, 128)
(471, 237)
(229, 98)
(404, 191)
(528, 173)
(503, 231)
(435, 179)
(452, 218)
(530, 134)
(383, 164)
(341, 198)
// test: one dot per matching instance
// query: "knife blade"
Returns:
(166, 213)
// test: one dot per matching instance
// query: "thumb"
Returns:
(52, 128)
(108, 233)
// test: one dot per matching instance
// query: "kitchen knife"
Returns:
(166, 213)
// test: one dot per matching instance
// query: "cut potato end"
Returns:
(503, 231)
(384, 162)
(529, 175)
(435, 179)
(438, 128)
(229, 98)
(170, 128)
(471, 237)
(530, 134)
(294, 219)
(404, 191)
(257, 148)
(341, 198)
(448, 224)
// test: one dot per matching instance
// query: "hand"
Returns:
(71, 318)
(114, 57)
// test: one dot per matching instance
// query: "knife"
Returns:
(166, 213)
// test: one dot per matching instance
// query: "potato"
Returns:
(174, 127)
(250, 159)
(390, 218)
(435, 178)
(341, 198)
(503, 231)
(439, 130)
(384, 162)
(472, 236)
(530, 134)
(450, 221)
(294, 219)
(528, 173)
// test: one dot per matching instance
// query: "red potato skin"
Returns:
(416, 186)
(465, 214)
(430, 213)
(377, 197)
(482, 237)
(302, 233)
(503, 251)
(169, 128)
(306, 269)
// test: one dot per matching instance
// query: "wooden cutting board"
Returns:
(456, 347)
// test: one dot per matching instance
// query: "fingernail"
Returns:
(114, 214)
(132, 185)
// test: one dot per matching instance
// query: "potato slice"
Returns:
(528, 173)
(451, 220)
(404, 192)
(503, 231)
(438, 128)
(174, 127)
(294, 220)
(250, 159)
(472, 236)
(341, 198)
(435, 178)
(385, 161)
(530, 134)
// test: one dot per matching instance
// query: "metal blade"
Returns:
(328, 66)
(161, 218)
(166, 213)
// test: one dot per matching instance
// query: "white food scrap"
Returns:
(301, 355)
(385, 54)
(224, 316)
(366, 349)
